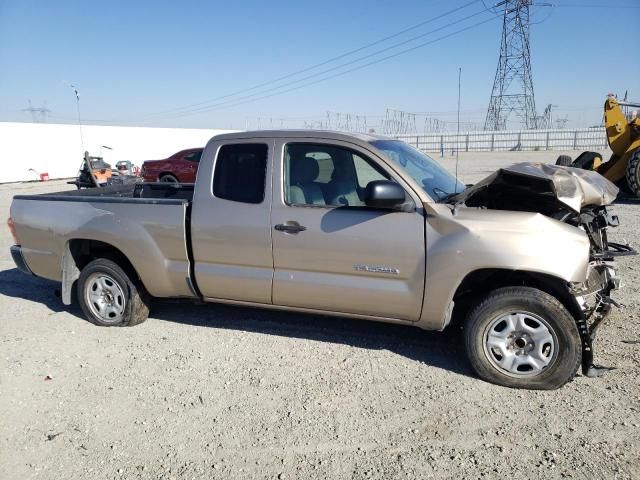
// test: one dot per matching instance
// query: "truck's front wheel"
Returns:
(522, 337)
(108, 297)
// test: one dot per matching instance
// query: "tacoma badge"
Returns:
(376, 269)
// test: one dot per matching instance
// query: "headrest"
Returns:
(304, 170)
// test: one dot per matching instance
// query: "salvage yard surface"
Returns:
(211, 391)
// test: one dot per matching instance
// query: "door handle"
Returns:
(290, 227)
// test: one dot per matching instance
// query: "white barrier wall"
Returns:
(56, 149)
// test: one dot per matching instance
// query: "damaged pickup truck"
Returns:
(350, 225)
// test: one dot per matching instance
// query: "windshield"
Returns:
(435, 180)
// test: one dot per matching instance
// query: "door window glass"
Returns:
(240, 172)
(327, 175)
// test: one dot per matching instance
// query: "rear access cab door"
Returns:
(231, 221)
(332, 252)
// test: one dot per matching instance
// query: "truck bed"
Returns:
(167, 193)
(147, 222)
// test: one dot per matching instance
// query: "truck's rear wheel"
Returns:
(109, 298)
(521, 337)
(633, 173)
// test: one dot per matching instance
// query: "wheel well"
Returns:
(84, 251)
(480, 282)
(162, 174)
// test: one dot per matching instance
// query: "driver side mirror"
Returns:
(384, 194)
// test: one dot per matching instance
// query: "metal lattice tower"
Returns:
(513, 87)
(38, 115)
(398, 122)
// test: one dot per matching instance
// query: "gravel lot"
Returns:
(210, 391)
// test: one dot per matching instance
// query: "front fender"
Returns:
(468, 239)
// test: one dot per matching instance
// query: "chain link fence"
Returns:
(512, 140)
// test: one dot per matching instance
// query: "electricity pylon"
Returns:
(513, 86)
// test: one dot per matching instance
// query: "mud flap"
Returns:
(70, 273)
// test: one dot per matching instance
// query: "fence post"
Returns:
(546, 143)
(493, 139)
(417, 139)
(575, 139)
(467, 143)
(442, 145)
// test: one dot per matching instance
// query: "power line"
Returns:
(337, 67)
(580, 5)
(317, 65)
(240, 101)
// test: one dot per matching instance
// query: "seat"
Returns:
(342, 190)
(302, 187)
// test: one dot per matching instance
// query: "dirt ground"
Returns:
(210, 391)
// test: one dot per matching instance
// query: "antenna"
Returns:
(455, 188)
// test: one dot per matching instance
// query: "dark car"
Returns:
(180, 167)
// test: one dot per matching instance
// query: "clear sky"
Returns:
(137, 62)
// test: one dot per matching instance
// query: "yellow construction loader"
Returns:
(623, 135)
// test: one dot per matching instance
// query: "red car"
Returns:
(180, 167)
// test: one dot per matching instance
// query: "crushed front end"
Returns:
(594, 294)
(576, 197)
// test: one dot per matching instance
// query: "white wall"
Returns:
(56, 149)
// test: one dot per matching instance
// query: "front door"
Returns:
(332, 252)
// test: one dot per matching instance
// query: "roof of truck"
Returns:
(303, 133)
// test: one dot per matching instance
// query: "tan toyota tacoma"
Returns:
(352, 225)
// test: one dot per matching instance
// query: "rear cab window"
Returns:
(240, 172)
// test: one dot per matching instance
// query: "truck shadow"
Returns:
(14, 283)
(439, 349)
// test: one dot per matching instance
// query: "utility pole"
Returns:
(513, 86)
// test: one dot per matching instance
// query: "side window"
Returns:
(193, 156)
(240, 172)
(365, 172)
(326, 175)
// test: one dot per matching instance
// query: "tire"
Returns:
(586, 160)
(168, 178)
(544, 333)
(633, 173)
(623, 186)
(564, 161)
(109, 298)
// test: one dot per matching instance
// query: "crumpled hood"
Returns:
(572, 187)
